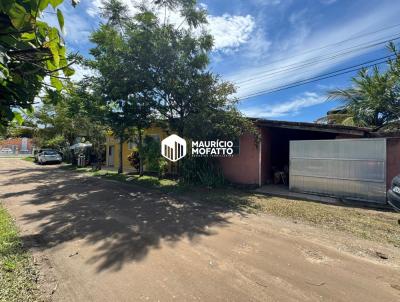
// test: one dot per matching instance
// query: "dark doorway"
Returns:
(280, 138)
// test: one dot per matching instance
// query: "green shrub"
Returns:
(202, 171)
(152, 158)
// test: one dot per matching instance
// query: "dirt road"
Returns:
(99, 240)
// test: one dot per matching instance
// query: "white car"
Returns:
(6, 151)
(49, 156)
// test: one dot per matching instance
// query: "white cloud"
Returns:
(290, 108)
(94, 9)
(81, 72)
(230, 31)
(258, 45)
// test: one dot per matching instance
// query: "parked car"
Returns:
(393, 193)
(36, 153)
(49, 156)
(6, 151)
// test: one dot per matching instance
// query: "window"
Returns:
(50, 152)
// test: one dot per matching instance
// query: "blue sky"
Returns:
(263, 44)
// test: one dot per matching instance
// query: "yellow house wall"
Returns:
(125, 154)
(111, 141)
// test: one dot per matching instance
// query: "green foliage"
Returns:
(56, 142)
(151, 155)
(17, 275)
(202, 171)
(30, 50)
(16, 130)
(122, 89)
(62, 124)
(374, 98)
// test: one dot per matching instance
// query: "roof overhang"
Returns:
(338, 129)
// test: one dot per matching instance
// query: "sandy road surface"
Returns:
(98, 240)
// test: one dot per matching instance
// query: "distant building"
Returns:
(19, 145)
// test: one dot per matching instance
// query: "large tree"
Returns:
(147, 68)
(30, 51)
(196, 102)
(122, 88)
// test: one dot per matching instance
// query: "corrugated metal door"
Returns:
(349, 168)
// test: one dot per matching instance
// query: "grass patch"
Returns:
(148, 181)
(235, 198)
(17, 275)
(29, 158)
(379, 226)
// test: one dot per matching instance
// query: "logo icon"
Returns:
(173, 148)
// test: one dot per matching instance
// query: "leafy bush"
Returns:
(17, 273)
(202, 171)
(152, 158)
(57, 142)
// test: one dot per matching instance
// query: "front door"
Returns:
(110, 157)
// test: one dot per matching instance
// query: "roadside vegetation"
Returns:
(29, 158)
(17, 274)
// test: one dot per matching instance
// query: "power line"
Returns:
(341, 42)
(351, 38)
(320, 77)
(314, 61)
(307, 81)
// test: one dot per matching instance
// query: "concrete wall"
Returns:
(392, 159)
(244, 167)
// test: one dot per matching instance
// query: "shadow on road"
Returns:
(122, 221)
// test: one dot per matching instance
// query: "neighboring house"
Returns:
(19, 145)
(112, 147)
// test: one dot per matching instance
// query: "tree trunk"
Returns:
(180, 134)
(121, 145)
(140, 144)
